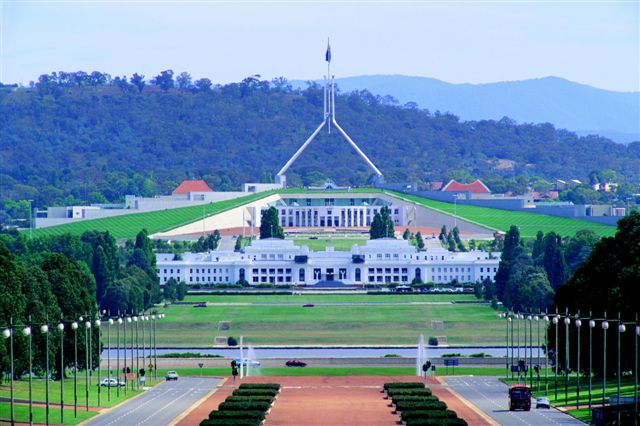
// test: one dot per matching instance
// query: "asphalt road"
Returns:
(158, 406)
(490, 395)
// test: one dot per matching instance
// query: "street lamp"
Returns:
(621, 329)
(536, 318)
(605, 326)
(45, 330)
(567, 321)
(109, 357)
(74, 327)
(578, 324)
(98, 323)
(7, 333)
(27, 332)
(556, 320)
(530, 319)
(546, 358)
(592, 324)
(61, 328)
(118, 355)
(510, 319)
(87, 351)
(137, 372)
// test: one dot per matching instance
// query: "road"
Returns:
(490, 395)
(158, 406)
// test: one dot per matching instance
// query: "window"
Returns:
(242, 274)
(481, 269)
(165, 271)
(301, 275)
(358, 275)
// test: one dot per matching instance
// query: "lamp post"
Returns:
(555, 320)
(518, 342)
(635, 367)
(546, 358)
(578, 323)
(87, 343)
(537, 320)
(567, 321)
(27, 332)
(621, 329)
(7, 333)
(153, 331)
(74, 327)
(45, 330)
(511, 318)
(530, 319)
(98, 323)
(61, 328)
(592, 324)
(143, 318)
(137, 372)
(118, 355)
(109, 324)
(506, 343)
(128, 369)
(526, 371)
(605, 326)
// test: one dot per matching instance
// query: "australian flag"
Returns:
(327, 56)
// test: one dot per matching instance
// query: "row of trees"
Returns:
(450, 239)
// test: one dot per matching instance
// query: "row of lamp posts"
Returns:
(120, 321)
(513, 350)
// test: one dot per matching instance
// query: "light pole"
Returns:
(578, 323)
(511, 318)
(143, 318)
(635, 369)
(555, 320)
(98, 323)
(27, 332)
(546, 358)
(518, 340)
(605, 326)
(130, 321)
(537, 320)
(118, 355)
(30, 219)
(45, 330)
(592, 324)
(621, 329)
(61, 328)
(153, 330)
(506, 343)
(7, 333)
(110, 323)
(74, 327)
(530, 319)
(137, 372)
(87, 343)
(567, 321)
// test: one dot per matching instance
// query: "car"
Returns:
(111, 383)
(308, 305)
(296, 363)
(248, 362)
(543, 402)
(171, 375)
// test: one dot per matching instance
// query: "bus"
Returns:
(519, 397)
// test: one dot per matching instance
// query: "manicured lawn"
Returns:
(338, 244)
(528, 223)
(21, 414)
(352, 324)
(127, 226)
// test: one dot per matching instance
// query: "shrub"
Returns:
(420, 405)
(433, 341)
(415, 398)
(230, 422)
(436, 422)
(269, 392)
(240, 398)
(392, 356)
(452, 355)
(428, 414)
(403, 385)
(395, 392)
(244, 406)
(252, 415)
(275, 386)
(480, 355)
(231, 341)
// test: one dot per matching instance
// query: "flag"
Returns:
(327, 56)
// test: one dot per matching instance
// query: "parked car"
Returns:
(171, 375)
(308, 305)
(248, 362)
(543, 403)
(111, 383)
(296, 363)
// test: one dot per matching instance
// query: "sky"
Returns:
(591, 42)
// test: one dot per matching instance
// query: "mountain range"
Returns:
(577, 107)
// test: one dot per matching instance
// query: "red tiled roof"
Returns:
(475, 186)
(192, 186)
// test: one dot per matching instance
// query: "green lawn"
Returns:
(339, 244)
(21, 414)
(528, 223)
(127, 226)
(350, 324)
(333, 298)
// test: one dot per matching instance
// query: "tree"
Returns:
(456, 238)
(183, 81)
(451, 242)
(406, 234)
(164, 80)
(553, 260)
(138, 81)
(170, 290)
(443, 233)
(238, 245)
(419, 241)
(270, 224)
(579, 248)
(382, 225)
(181, 290)
(203, 85)
(538, 248)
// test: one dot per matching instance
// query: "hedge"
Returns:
(415, 398)
(269, 392)
(420, 405)
(244, 406)
(230, 422)
(396, 392)
(428, 414)
(254, 415)
(436, 422)
(247, 398)
(403, 385)
(275, 386)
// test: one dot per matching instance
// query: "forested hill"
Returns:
(76, 142)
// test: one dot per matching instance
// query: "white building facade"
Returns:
(280, 262)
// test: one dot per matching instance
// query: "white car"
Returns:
(111, 383)
(543, 403)
(171, 375)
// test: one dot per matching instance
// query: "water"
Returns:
(251, 360)
(333, 352)
(421, 356)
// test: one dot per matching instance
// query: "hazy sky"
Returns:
(595, 43)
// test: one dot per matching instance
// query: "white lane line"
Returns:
(128, 412)
(185, 392)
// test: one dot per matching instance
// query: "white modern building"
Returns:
(274, 261)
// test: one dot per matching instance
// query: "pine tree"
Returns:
(419, 241)
(270, 224)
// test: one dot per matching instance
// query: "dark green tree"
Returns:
(270, 224)
(553, 261)
(406, 234)
(419, 241)
(170, 290)
(138, 81)
(164, 80)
